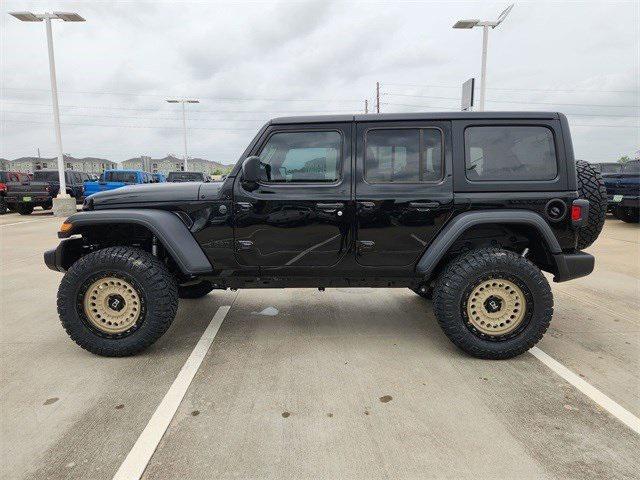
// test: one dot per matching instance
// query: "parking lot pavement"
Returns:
(347, 383)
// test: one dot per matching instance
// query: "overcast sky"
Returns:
(250, 61)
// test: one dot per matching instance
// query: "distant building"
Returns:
(4, 164)
(173, 164)
(87, 164)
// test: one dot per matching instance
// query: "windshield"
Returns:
(45, 176)
(632, 168)
(185, 177)
(116, 176)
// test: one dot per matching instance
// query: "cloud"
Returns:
(250, 61)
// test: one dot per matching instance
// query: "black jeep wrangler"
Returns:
(466, 208)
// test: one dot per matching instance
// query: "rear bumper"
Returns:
(573, 265)
(627, 201)
(34, 199)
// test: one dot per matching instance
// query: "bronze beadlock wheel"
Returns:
(496, 307)
(112, 305)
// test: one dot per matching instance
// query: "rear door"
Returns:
(404, 189)
(303, 215)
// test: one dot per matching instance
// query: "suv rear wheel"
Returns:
(117, 301)
(24, 208)
(493, 303)
(627, 214)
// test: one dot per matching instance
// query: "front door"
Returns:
(302, 215)
(404, 190)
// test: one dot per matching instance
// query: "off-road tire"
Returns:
(627, 214)
(425, 291)
(156, 288)
(462, 274)
(3, 206)
(24, 208)
(591, 187)
(198, 290)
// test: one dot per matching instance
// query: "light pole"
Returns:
(485, 24)
(184, 101)
(63, 204)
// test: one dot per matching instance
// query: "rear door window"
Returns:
(507, 153)
(403, 155)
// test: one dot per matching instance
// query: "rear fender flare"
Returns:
(166, 226)
(456, 227)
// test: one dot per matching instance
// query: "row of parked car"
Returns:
(623, 189)
(21, 192)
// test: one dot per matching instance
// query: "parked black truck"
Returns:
(24, 196)
(466, 208)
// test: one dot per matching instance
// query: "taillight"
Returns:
(3, 187)
(579, 212)
(576, 213)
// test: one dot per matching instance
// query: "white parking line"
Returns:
(621, 413)
(18, 223)
(142, 451)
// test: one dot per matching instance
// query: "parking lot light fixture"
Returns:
(485, 24)
(184, 101)
(62, 198)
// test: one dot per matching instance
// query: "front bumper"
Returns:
(64, 255)
(573, 265)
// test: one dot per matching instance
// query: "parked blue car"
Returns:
(112, 179)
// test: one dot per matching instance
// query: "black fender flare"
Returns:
(172, 233)
(456, 227)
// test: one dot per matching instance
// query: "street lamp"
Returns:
(485, 24)
(184, 101)
(63, 204)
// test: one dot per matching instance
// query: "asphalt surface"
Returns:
(346, 383)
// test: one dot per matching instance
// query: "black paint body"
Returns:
(352, 232)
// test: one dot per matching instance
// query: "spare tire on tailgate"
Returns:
(591, 187)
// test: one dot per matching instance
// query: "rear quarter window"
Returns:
(510, 153)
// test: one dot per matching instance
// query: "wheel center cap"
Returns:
(116, 302)
(493, 304)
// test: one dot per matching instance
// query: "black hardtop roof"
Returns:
(385, 117)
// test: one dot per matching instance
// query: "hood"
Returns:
(148, 193)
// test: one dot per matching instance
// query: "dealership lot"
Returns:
(347, 383)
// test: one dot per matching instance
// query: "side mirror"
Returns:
(254, 171)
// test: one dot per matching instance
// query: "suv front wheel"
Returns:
(493, 303)
(117, 301)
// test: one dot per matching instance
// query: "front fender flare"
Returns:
(166, 226)
(456, 227)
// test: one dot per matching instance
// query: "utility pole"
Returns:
(63, 204)
(366, 106)
(183, 101)
(377, 97)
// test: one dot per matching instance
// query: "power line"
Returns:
(518, 102)
(133, 126)
(225, 99)
(106, 107)
(577, 90)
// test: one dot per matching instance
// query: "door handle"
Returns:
(245, 244)
(367, 205)
(244, 206)
(329, 207)
(424, 205)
